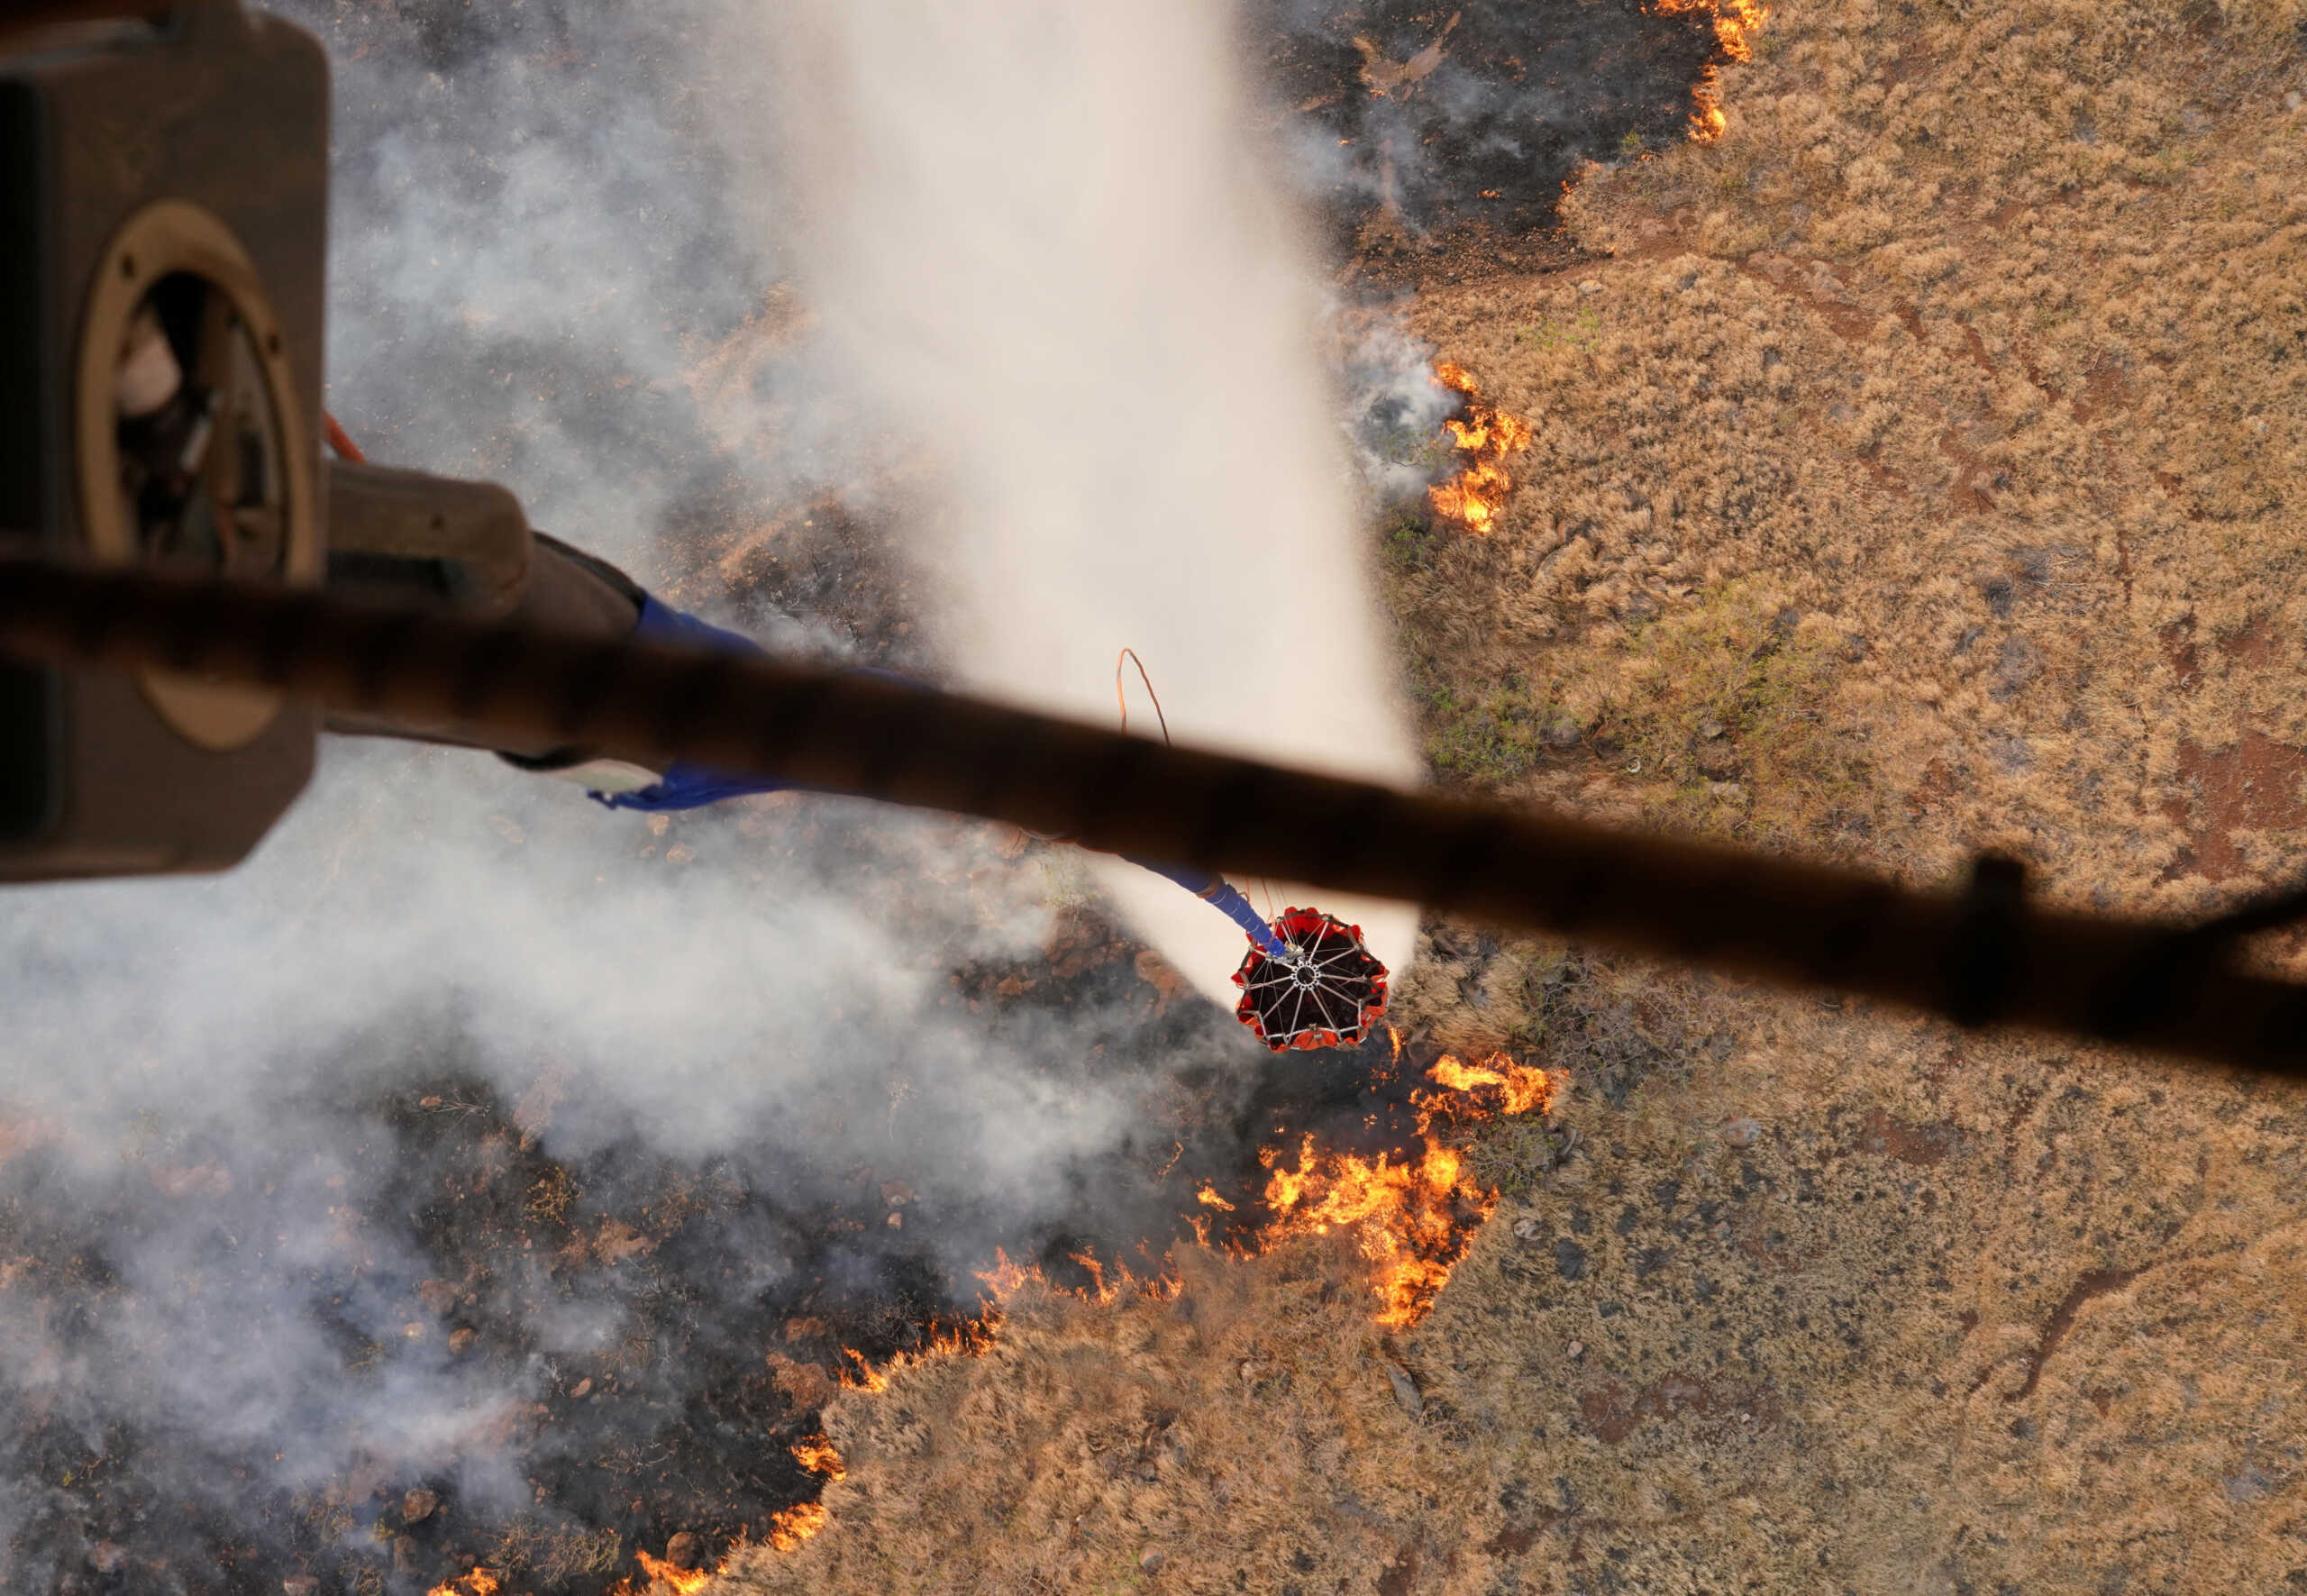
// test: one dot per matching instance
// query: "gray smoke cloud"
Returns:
(546, 221)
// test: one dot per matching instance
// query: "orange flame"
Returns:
(1004, 1279)
(816, 1455)
(1473, 498)
(1415, 1218)
(671, 1577)
(1407, 1215)
(796, 1524)
(1521, 1088)
(1413, 1215)
(478, 1581)
(865, 1377)
(1736, 24)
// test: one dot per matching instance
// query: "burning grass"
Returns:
(1481, 439)
(1412, 1217)
(1951, 389)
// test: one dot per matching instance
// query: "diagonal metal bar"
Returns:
(1980, 954)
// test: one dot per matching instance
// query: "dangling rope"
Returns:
(346, 449)
(1130, 655)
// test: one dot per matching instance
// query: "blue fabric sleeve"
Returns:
(1221, 895)
(683, 785)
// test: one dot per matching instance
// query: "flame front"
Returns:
(1736, 24)
(796, 1524)
(1521, 1088)
(1473, 498)
(1414, 1218)
(667, 1576)
(1412, 1214)
(479, 1581)
(816, 1455)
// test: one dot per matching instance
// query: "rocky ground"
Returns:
(1917, 469)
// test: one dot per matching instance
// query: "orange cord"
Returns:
(346, 449)
(1130, 654)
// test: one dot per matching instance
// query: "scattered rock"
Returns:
(1718, 760)
(1150, 1561)
(683, 1551)
(1563, 734)
(1590, 286)
(418, 1505)
(1710, 728)
(2251, 1484)
(1742, 1132)
(108, 1556)
(1528, 1230)
(460, 1339)
(1406, 1391)
(895, 1194)
(300, 1584)
(578, 1392)
(2295, 100)
(437, 1295)
(1576, 1349)
(405, 1553)
(2016, 667)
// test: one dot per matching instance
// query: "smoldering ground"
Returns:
(1423, 119)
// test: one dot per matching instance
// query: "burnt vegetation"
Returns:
(1410, 121)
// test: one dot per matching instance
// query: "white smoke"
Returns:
(1044, 236)
(1035, 231)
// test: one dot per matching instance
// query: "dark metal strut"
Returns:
(1979, 956)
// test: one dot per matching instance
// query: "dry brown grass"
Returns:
(1956, 482)
(2011, 426)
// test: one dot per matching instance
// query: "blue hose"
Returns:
(687, 786)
